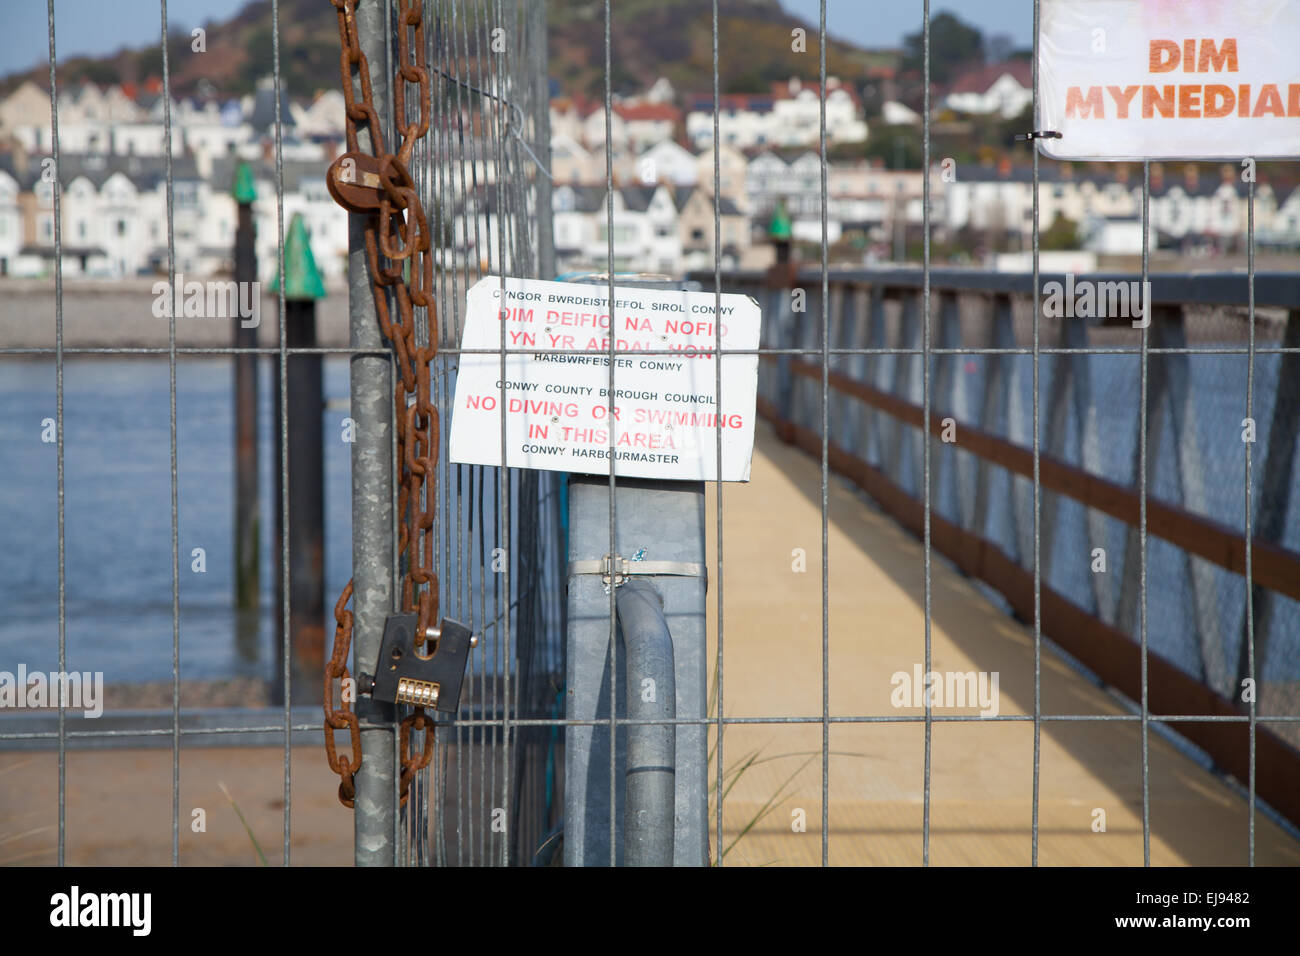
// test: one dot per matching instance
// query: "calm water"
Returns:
(118, 516)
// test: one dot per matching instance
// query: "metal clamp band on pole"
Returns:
(1038, 134)
(616, 569)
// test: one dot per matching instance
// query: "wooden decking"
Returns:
(981, 773)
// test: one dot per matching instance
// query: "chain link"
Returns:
(397, 229)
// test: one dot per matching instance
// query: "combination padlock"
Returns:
(433, 680)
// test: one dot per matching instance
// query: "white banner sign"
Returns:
(1169, 79)
(555, 394)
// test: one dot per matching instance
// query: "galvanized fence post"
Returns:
(372, 501)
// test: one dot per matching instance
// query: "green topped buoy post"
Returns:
(782, 277)
(780, 233)
(247, 544)
(302, 474)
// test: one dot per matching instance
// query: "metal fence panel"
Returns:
(1041, 395)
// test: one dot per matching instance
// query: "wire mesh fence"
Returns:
(864, 380)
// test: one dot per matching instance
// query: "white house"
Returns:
(324, 117)
(790, 115)
(593, 130)
(645, 124)
(1207, 208)
(574, 210)
(994, 199)
(1120, 236)
(1004, 89)
(894, 113)
(11, 223)
(796, 114)
(666, 162)
(744, 120)
(305, 192)
(646, 235)
(1284, 229)
(797, 184)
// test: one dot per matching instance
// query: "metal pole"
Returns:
(247, 505)
(372, 499)
(650, 781)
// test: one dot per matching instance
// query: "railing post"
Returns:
(841, 331)
(1074, 336)
(1020, 430)
(993, 410)
(1070, 397)
(945, 394)
(1168, 384)
(875, 339)
(1054, 423)
(909, 337)
(807, 392)
(853, 334)
(786, 337)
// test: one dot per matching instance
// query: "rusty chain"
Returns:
(378, 185)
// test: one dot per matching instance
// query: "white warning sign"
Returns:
(555, 394)
(1166, 79)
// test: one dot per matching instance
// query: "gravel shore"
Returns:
(120, 314)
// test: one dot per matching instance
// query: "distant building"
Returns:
(894, 113)
(790, 115)
(695, 212)
(665, 162)
(632, 128)
(797, 184)
(1002, 89)
(570, 163)
(733, 167)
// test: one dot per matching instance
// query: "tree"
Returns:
(954, 46)
(1061, 235)
(899, 147)
(998, 47)
(149, 62)
(750, 81)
